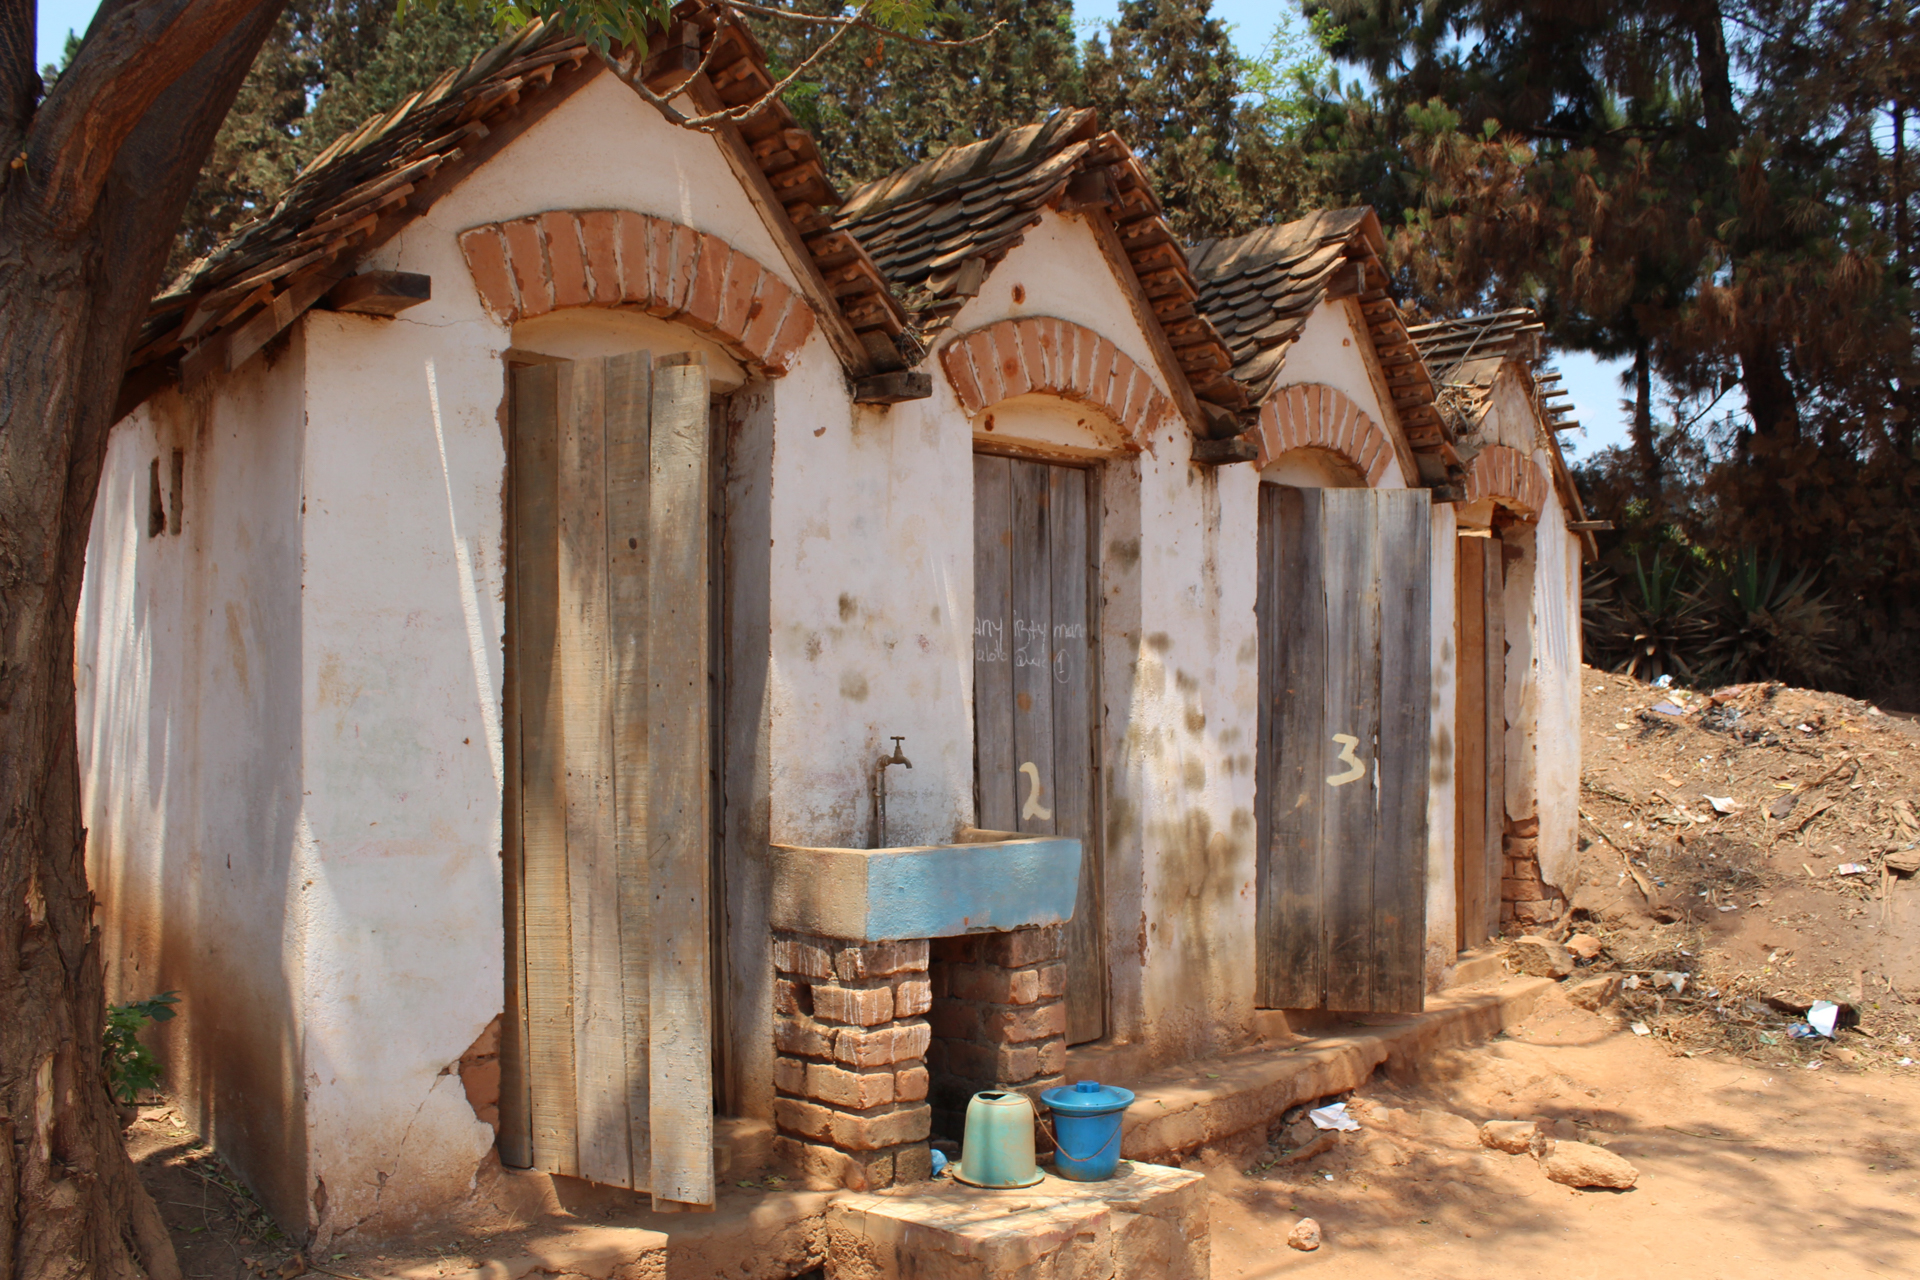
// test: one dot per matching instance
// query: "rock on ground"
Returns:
(1541, 957)
(1581, 1164)
(1595, 993)
(1515, 1137)
(1585, 946)
(1305, 1235)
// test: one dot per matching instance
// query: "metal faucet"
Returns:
(880, 792)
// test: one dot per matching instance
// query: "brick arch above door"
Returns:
(1312, 415)
(1510, 478)
(617, 258)
(1049, 356)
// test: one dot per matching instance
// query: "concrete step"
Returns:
(1228, 1102)
(1144, 1221)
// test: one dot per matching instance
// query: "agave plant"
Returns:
(1651, 624)
(1765, 628)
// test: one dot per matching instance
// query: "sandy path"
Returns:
(1746, 1170)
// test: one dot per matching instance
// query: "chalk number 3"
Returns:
(1356, 767)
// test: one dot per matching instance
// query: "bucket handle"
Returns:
(1060, 1147)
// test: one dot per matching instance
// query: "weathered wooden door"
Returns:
(1480, 736)
(1345, 684)
(607, 1058)
(1036, 760)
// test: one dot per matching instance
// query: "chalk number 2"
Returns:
(1356, 767)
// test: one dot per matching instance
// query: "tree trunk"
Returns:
(1771, 400)
(73, 294)
(1646, 454)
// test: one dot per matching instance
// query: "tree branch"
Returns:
(788, 15)
(746, 111)
(131, 56)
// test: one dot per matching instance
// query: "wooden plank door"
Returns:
(1345, 686)
(607, 1062)
(1036, 763)
(1479, 740)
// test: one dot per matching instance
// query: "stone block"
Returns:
(885, 1046)
(804, 1119)
(993, 984)
(855, 1006)
(880, 959)
(1017, 1026)
(1146, 1221)
(1541, 957)
(874, 1130)
(803, 957)
(789, 1074)
(1017, 948)
(802, 1037)
(1541, 912)
(855, 1090)
(912, 998)
(791, 997)
(910, 1084)
(818, 1167)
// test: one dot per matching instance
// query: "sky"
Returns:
(1594, 385)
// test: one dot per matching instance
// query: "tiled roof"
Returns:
(1465, 357)
(927, 224)
(1259, 289)
(375, 180)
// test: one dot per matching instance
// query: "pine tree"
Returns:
(875, 105)
(1167, 78)
(328, 66)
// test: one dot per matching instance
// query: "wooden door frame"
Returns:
(514, 1136)
(1096, 722)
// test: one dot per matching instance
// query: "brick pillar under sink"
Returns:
(849, 1072)
(999, 1018)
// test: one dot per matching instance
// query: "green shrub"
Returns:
(131, 1067)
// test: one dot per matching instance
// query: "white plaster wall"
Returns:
(1179, 667)
(1316, 469)
(330, 624)
(187, 666)
(1523, 676)
(1333, 348)
(1059, 270)
(1442, 791)
(1192, 726)
(603, 148)
(1510, 419)
(401, 680)
(1556, 610)
(871, 610)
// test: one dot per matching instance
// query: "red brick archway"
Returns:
(1312, 415)
(617, 258)
(1510, 478)
(1054, 357)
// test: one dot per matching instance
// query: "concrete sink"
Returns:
(988, 881)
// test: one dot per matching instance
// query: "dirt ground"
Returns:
(1746, 1171)
(1745, 852)
(1759, 1154)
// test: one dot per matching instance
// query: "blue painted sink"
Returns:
(990, 881)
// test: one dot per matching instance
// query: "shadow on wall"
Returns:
(190, 644)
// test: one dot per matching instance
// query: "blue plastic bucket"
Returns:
(1086, 1129)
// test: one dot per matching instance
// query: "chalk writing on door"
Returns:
(1356, 767)
(989, 640)
(1033, 646)
(1033, 808)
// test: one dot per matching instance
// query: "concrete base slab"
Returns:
(1144, 1221)
(1223, 1100)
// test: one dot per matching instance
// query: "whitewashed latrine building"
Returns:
(596, 648)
